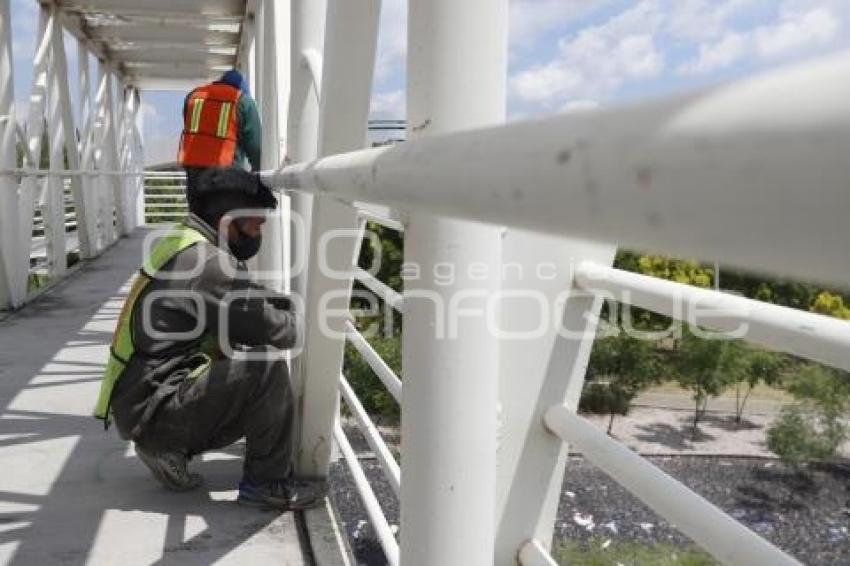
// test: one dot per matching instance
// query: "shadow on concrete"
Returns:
(679, 437)
(72, 493)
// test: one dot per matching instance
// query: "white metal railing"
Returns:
(565, 187)
(645, 174)
(165, 196)
(100, 170)
(373, 437)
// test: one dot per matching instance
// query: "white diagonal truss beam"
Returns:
(9, 220)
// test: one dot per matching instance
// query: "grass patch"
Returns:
(605, 552)
(36, 281)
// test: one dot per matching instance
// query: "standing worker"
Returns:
(196, 361)
(221, 127)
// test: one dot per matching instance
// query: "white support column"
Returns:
(129, 187)
(457, 71)
(34, 130)
(112, 163)
(53, 213)
(273, 54)
(307, 40)
(351, 41)
(539, 366)
(86, 148)
(138, 158)
(101, 156)
(9, 221)
(69, 133)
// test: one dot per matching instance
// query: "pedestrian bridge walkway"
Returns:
(527, 217)
(71, 493)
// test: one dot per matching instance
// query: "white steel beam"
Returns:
(367, 495)
(457, 69)
(351, 34)
(307, 19)
(728, 540)
(53, 213)
(101, 156)
(34, 131)
(157, 57)
(167, 84)
(163, 34)
(816, 337)
(88, 115)
(546, 341)
(9, 222)
(308, 28)
(373, 437)
(69, 134)
(647, 174)
(158, 8)
(273, 62)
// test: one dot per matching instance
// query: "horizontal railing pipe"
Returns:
(26, 172)
(390, 223)
(765, 157)
(816, 337)
(373, 437)
(378, 365)
(370, 502)
(384, 291)
(715, 531)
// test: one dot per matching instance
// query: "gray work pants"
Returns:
(231, 399)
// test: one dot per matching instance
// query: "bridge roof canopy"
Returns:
(163, 44)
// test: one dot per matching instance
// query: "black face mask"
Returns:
(246, 246)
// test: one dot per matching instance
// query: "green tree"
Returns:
(707, 367)
(755, 366)
(681, 271)
(815, 426)
(831, 305)
(620, 367)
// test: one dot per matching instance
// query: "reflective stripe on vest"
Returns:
(178, 239)
(210, 127)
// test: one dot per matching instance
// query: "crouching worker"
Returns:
(168, 385)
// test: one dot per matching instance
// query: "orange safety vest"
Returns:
(210, 126)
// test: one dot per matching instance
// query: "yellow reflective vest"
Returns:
(178, 239)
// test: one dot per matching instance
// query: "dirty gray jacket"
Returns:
(201, 303)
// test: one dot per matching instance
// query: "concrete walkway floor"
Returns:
(71, 493)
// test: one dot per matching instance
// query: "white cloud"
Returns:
(794, 31)
(392, 39)
(531, 19)
(581, 105)
(388, 104)
(731, 48)
(598, 59)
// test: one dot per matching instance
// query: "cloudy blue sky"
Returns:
(571, 54)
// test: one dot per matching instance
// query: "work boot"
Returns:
(284, 495)
(169, 469)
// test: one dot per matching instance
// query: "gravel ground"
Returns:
(806, 516)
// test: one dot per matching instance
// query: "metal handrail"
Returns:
(373, 437)
(378, 365)
(373, 507)
(384, 291)
(707, 525)
(817, 337)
